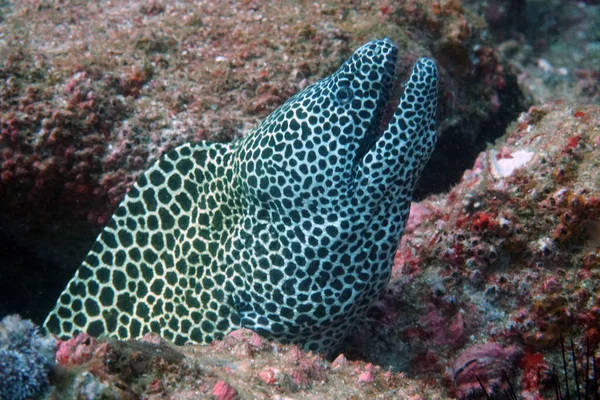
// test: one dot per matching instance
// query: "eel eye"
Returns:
(344, 95)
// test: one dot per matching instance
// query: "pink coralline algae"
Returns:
(222, 391)
(79, 349)
(447, 332)
(368, 373)
(298, 370)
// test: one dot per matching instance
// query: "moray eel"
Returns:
(290, 231)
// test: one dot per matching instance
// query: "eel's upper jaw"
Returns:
(385, 106)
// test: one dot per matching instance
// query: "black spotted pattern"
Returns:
(290, 231)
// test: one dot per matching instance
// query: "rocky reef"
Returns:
(501, 255)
